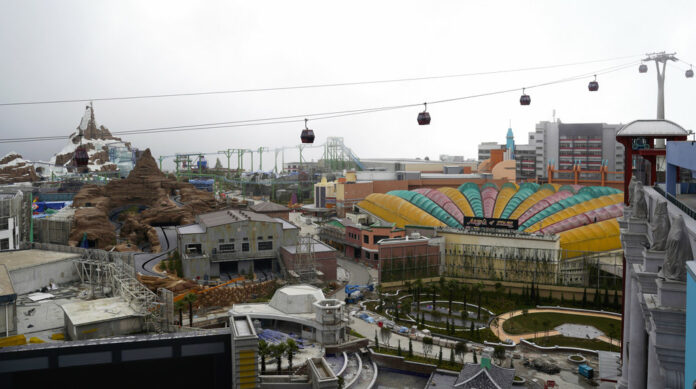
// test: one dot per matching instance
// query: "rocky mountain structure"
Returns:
(13, 168)
(96, 139)
(146, 187)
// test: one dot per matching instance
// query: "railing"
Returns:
(683, 207)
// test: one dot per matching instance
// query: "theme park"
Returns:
(223, 254)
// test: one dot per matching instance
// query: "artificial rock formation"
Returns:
(660, 227)
(678, 252)
(13, 168)
(146, 187)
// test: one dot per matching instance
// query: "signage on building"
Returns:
(489, 222)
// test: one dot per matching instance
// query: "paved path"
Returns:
(502, 335)
(359, 275)
(145, 262)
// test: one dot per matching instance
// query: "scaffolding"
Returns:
(111, 275)
(304, 263)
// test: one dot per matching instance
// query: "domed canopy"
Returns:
(657, 128)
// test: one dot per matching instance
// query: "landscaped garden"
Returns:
(566, 341)
(546, 321)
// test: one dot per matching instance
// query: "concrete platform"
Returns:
(31, 270)
(101, 318)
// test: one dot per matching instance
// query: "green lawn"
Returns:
(524, 324)
(560, 340)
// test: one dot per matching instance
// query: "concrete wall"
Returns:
(8, 319)
(116, 327)
(32, 278)
(399, 363)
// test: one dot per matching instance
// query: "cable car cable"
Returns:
(319, 116)
(311, 85)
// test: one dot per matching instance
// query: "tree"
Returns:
(550, 296)
(465, 316)
(264, 351)
(376, 341)
(494, 323)
(538, 295)
(190, 299)
(291, 348)
(471, 329)
(478, 311)
(616, 299)
(441, 281)
(398, 350)
(562, 299)
(278, 351)
(584, 297)
(452, 287)
(433, 289)
(547, 325)
(461, 350)
(179, 305)
(419, 288)
(597, 301)
(439, 357)
(606, 297)
(464, 299)
(532, 296)
(410, 348)
(451, 358)
(475, 359)
(427, 345)
(408, 286)
(499, 353)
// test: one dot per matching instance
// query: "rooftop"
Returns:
(21, 259)
(267, 206)
(96, 311)
(219, 218)
(317, 247)
(7, 292)
(652, 127)
(286, 224)
(296, 298)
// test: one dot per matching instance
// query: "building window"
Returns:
(226, 248)
(245, 239)
(366, 238)
(265, 246)
(245, 246)
(221, 241)
(376, 257)
(270, 237)
(367, 255)
(194, 249)
(4, 223)
(5, 244)
(231, 239)
(259, 238)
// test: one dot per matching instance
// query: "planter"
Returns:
(577, 358)
(519, 380)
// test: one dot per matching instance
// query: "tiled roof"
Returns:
(268, 206)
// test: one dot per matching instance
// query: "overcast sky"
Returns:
(87, 49)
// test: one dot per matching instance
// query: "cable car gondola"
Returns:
(689, 73)
(307, 134)
(593, 86)
(525, 99)
(643, 68)
(424, 117)
(80, 156)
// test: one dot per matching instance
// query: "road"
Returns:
(359, 275)
(145, 262)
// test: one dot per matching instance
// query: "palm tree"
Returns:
(291, 348)
(278, 350)
(408, 286)
(264, 351)
(180, 306)
(190, 299)
(494, 322)
(460, 349)
(419, 287)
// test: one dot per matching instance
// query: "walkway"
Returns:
(502, 335)
(359, 275)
